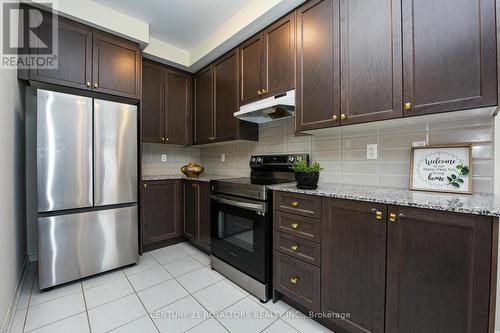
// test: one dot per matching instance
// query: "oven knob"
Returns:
(291, 159)
(259, 159)
(299, 158)
(252, 160)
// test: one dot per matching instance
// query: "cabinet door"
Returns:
(74, 54)
(354, 263)
(226, 96)
(371, 60)
(204, 215)
(191, 210)
(153, 115)
(449, 52)
(203, 106)
(251, 64)
(318, 65)
(116, 66)
(160, 211)
(438, 268)
(279, 56)
(178, 107)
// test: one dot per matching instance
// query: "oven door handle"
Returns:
(257, 207)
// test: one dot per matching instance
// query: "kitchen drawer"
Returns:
(297, 280)
(299, 248)
(299, 226)
(300, 204)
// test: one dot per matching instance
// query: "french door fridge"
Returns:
(86, 186)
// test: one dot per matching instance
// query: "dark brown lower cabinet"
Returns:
(197, 213)
(161, 213)
(438, 272)
(353, 264)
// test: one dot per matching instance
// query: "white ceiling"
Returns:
(181, 23)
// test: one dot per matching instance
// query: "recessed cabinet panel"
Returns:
(318, 65)
(226, 96)
(371, 60)
(116, 66)
(204, 107)
(251, 65)
(153, 115)
(449, 55)
(178, 107)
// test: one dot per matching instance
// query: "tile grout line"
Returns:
(29, 300)
(86, 308)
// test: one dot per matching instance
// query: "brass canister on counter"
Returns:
(192, 170)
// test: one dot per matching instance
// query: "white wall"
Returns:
(12, 189)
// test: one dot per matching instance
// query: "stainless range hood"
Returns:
(276, 107)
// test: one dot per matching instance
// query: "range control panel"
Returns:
(281, 161)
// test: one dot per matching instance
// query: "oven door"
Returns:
(240, 234)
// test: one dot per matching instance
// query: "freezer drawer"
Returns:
(78, 245)
(115, 153)
(64, 151)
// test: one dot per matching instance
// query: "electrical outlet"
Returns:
(371, 152)
(223, 157)
(163, 158)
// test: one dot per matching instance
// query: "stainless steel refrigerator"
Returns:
(86, 186)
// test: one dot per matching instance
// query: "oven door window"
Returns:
(239, 238)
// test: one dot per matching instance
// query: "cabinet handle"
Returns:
(259, 92)
(88, 84)
(295, 225)
(343, 116)
(95, 85)
(407, 106)
(334, 117)
(392, 217)
(264, 91)
(145, 185)
(166, 139)
(294, 280)
(295, 203)
(378, 213)
(294, 247)
(162, 139)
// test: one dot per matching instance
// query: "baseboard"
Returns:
(9, 316)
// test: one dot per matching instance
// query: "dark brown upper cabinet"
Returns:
(153, 115)
(178, 107)
(161, 212)
(370, 60)
(353, 262)
(216, 101)
(204, 106)
(116, 66)
(438, 268)
(74, 54)
(90, 59)
(166, 104)
(225, 71)
(267, 61)
(318, 65)
(449, 49)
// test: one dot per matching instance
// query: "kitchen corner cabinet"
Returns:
(216, 101)
(196, 226)
(449, 49)
(267, 61)
(166, 104)
(392, 268)
(90, 59)
(161, 213)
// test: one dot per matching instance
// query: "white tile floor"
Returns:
(170, 290)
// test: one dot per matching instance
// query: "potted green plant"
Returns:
(306, 176)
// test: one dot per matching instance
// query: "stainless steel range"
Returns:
(241, 222)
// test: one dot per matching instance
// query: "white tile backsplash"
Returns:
(341, 151)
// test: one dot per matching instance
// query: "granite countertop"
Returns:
(203, 178)
(477, 204)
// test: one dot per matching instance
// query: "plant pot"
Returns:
(307, 180)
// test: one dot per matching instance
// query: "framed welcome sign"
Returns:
(442, 169)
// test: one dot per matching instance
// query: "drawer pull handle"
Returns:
(295, 225)
(295, 203)
(378, 215)
(294, 247)
(392, 217)
(294, 280)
